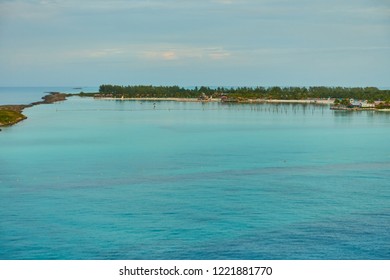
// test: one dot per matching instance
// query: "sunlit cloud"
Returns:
(159, 55)
(185, 53)
(134, 52)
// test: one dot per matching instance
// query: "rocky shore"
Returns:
(12, 114)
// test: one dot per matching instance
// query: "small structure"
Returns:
(355, 104)
(366, 104)
(203, 96)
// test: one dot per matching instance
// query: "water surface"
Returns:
(95, 179)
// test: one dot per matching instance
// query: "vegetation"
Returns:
(12, 114)
(343, 102)
(244, 93)
(384, 105)
(10, 117)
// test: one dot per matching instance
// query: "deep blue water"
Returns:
(94, 179)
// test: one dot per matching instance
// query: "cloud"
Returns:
(99, 53)
(184, 53)
(125, 52)
(159, 55)
(228, 34)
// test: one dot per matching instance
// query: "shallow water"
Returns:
(96, 179)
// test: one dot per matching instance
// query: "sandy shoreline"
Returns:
(311, 101)
(158, 99)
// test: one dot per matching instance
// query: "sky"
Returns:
(195, 42)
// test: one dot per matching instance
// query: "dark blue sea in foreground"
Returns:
(95, 179)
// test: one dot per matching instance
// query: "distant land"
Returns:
(342, 98)
(12, 114)
(243, 93)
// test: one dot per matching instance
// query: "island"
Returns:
(12, 114)
(340, 98)
(9, 117)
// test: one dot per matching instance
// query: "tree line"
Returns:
(285, 93)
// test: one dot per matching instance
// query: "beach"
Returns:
(295, 101)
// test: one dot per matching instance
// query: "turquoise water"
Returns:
(95, 179)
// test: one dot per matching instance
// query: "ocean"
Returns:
(103, 179)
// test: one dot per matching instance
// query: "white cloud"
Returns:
(183, 53)
(101, 53)
(126, 52)
(159, 55)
